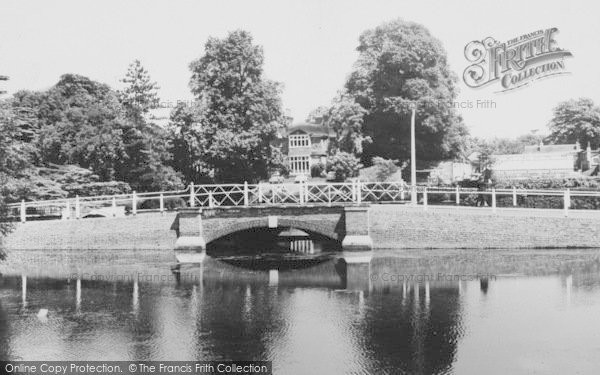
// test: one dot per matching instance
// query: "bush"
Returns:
(343, 165)
(316, 170)
(154, 204)
(98, 188)
(384, 168)
(539, 201)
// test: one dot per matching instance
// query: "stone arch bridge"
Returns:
(197, 227)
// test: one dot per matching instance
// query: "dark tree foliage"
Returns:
(82, 122)
(576, 121)
(239, 113)
(402, 63)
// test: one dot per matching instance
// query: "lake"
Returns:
(417, 312)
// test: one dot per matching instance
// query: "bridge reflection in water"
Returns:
(228, 312)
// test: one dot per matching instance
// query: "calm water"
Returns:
(527, 312)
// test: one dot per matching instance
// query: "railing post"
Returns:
(192, 195)
(306, 196)
(260, 199)
(23, 211)
(353, 191)
(77, 208)
(401, 190)
(413, 195)
(211, 203)
(329, 194)
(514, 193)
(301, 193)
(245, 193)
(114, 206)
(162, 203)
(457, 195)
(134, 203)
(273, 192)
(567, 201)
(358, 192)
(494, 199)
(425, 198)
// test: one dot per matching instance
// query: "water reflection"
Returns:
(407, 315)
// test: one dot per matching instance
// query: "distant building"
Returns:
(448, 172)
(557, 161)
(305, 144)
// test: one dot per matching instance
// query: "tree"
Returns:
(316, 114)
(14, 160)
(140, 94)
(185, 144)
(346, 118)
(81, 123)
(401, 63)
(240, 112)
(576, 121)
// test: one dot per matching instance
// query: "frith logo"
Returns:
(514, 63)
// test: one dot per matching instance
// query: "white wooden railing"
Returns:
(307, 193)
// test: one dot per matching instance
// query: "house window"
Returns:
(299, 140)
(299, 164)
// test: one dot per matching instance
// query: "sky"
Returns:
(309, 46)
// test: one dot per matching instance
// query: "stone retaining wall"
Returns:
(392, 226)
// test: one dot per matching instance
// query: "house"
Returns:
(556, 161)
(305, 144)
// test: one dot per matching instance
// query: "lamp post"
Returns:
(413, 158)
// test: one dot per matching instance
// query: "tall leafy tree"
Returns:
(140, 94)
(317, 113)
(14, 160)
(576, 121)
(401, 63)
(240, 108)
(346, 118)
(185, 134)
(145, 165)
(82, 124)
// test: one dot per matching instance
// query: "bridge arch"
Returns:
(226, 228)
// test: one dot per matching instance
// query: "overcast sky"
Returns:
(309, 46)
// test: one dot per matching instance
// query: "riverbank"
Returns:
(391, 227)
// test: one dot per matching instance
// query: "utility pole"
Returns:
(413, 158)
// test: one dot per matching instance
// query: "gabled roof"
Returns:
(315, 130)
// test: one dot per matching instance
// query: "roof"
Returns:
(309, 128)
(550, 148)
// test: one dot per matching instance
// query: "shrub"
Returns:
(343, 165)
(384, 168)
(154, 204)
(98, 188)
(316, 170)
(540, 201)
